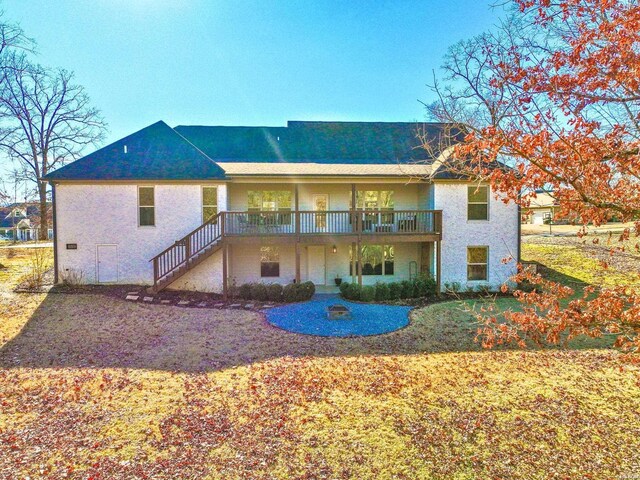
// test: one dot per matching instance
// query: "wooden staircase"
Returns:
(186, 253)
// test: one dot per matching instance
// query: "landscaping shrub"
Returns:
(344, 287)
(245, 291)
(290, 293)
(368, 293)
(355, 291)
(382, 292)
(259, 292)
(425, 286)
(305, 291)
(395, 291)
(274, 292)
(407, 289)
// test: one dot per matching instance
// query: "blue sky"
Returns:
(249, 62)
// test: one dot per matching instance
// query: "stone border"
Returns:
(158, 299)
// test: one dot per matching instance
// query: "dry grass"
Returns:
(93, 387)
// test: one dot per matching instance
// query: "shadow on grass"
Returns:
(99, 331)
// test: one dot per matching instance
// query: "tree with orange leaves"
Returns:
(555, 94)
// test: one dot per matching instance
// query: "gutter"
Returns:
(55, 234)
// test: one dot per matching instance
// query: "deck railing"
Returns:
(334, 222)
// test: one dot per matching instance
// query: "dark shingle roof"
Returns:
(318, 142)
(153, 153)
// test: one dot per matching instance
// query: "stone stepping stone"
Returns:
(218, 305)
(133, 298)
(183, 302)
(147, 299)
(165, 302)
(267, 306)
(235, 305)
(202, 304)
(249, 305)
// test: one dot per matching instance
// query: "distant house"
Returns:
(203, 208)
(21, 221)
(541, 210)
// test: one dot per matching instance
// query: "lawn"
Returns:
(95, 387)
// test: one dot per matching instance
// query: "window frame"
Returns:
(153, 188)
(203, 205)
(487, 202)
(486, 265)
(383, 247)
(276, 252)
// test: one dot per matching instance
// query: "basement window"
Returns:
(477, 263)
(269, 262)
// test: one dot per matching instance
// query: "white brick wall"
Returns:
(500, 234)
(88, 215)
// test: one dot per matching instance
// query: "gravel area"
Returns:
(310, 318)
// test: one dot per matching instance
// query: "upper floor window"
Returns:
(270, 201)
(146, 207)
(477, 202)
(209, 202)
(477, 263)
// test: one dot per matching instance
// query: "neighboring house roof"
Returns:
(321, 169)
(543, 200)
(156, 152)
(32, 217)
(320, 142)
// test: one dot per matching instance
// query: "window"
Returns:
(376, 260)
(146, 207)
(478, 203)
(477, 261)
(269, 262)
(271, 201)
(376, 200)
(209, 202)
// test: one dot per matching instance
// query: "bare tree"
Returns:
(46, 120)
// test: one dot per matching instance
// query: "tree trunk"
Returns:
(43, 232)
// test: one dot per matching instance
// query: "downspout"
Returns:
(55, 234)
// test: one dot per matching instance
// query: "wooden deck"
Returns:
(297, 227)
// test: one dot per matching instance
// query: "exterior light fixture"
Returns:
(334, 249)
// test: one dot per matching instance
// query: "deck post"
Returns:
(438, 263)
(353, 262)
(298, 261)
(359, 248)
(225, 274)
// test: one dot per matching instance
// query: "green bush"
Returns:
(245, 291)
(305, 291)
(395, 291)
(382, 292)
(368, 293)
(259, 292)
(351, 291)
(406, 289)
(425, 285)
(290, 292)
(274, 292)
(344, 287)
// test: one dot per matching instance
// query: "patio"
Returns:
(310, 318)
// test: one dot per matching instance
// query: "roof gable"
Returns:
(153, 153)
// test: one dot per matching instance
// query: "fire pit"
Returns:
(338, 312)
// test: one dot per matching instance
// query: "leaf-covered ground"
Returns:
(93, 387)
